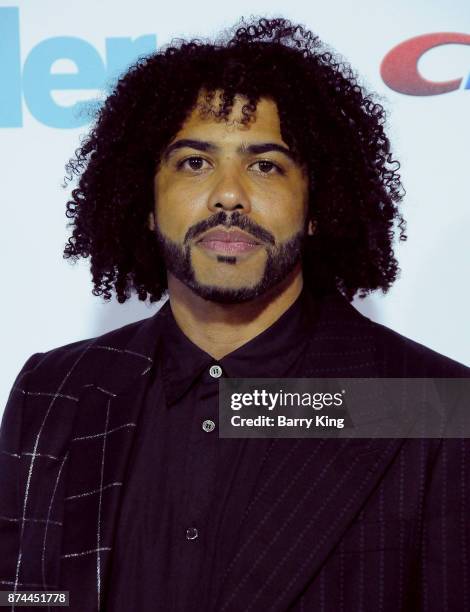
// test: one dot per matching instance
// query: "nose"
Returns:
(229, 194)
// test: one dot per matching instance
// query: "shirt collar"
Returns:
(270, 354)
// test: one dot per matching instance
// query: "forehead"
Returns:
(202, 121)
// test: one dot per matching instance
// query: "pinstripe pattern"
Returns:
(334, 524)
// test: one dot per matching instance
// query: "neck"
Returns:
(218, 329)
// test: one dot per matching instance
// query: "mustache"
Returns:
(235, 219)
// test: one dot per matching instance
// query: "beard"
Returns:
(281, 259)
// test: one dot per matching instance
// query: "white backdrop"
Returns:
(55, 54)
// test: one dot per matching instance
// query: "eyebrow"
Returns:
(202, 145)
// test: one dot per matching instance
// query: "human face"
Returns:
(218, 175)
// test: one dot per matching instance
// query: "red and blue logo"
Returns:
(399, 68)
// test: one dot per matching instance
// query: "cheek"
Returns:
(283, 212)
(175, 208)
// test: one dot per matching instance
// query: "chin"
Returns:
(227, 295)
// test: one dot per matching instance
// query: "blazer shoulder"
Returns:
(412, 358)
(84, 357)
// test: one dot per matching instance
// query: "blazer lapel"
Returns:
(308, 494)
(103, 432)
(309, 490)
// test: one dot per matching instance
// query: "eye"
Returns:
(267, 167)
(193, 163)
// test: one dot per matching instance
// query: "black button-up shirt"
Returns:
(187, 489)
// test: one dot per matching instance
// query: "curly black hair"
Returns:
(327, 119)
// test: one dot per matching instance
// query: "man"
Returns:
(250, 178)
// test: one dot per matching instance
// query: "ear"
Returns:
(151, 221)
(312, 225)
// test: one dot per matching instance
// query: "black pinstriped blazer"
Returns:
(335, 525)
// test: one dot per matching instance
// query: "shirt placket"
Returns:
(199, 487)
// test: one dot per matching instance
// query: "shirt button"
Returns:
(191, 533)
(208, 425)
(215, 371)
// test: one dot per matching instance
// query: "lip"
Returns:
(229, 248)
(232, 242)
(235, 236)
